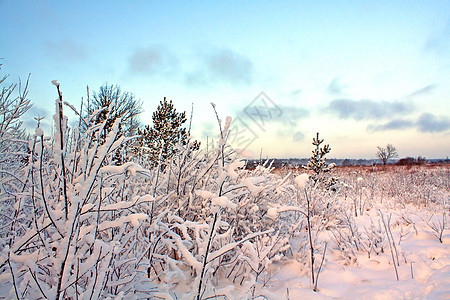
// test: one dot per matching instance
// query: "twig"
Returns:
(320, 267)
(390, 245)
(61, 144)
(205, 261)
(311, 246)
(39, 286)
(43, 189)
(13, 279)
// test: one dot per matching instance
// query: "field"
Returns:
(401, 195)
(88, 213)
(77, 226)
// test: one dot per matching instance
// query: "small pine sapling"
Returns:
(160, 141)
(317, 164)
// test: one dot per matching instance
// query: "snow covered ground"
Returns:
(424, 270)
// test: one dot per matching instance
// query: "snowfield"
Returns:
(424, 270)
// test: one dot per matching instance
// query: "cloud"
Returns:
(197, 77)
(395, 124)
(368, 109)
(230, 66)
(335, 87)
(291, 114)
(297, 92)
(425, 123)
(152, 60)
(423, 91)
(37, 111)
(439, 43)
(430, 123)
(298, 136)
(222, 65)
(30, 123)
(272, 113)
(65, 50)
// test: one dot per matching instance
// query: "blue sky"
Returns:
(362, 73)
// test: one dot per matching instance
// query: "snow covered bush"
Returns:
(77, 218)
(216, 222)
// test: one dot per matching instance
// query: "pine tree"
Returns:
(317, 164)
(159, 142)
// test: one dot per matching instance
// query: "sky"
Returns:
(361, 73)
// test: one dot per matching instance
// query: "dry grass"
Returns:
(369, 169)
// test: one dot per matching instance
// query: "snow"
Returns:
(223, 202)
(131, 167)
(232, 169)
(205, 194)
(272, 213)
(301, 180)
(134, 220)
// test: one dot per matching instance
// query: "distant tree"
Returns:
(317, 164)
(347, 162)
(406, 161)
(386, 153)
(116, 104)
(421, 160)
(159, 142)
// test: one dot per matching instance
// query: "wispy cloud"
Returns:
(439, 43)
(281, 114)
(298, 136)
(152, 60)
(395, 124)
(222, 65)
(423, 91)
(426, 122)
(296, 93)
(295, 136)
(291, 115)
(335, 87)
(368, 109)
(430, 123)
(65, 50)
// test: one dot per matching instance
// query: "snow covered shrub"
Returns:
(76, 231)
(13, 140)
(13, 155)
(215, 222)
(13, 144)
